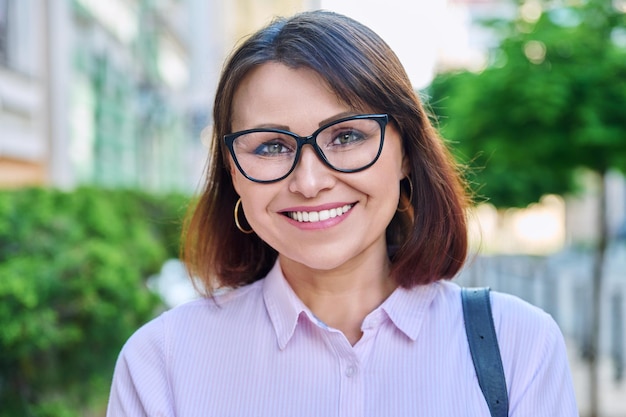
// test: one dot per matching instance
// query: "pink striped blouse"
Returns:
(261, 352)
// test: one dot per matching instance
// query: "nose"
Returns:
(311, 175)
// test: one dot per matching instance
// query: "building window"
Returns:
(4, 31)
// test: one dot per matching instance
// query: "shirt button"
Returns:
(351, 371)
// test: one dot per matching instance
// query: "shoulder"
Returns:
(508, 311)
(161, 355)
(515, 318)
(523, 330)
(534, 356)
(187, 321)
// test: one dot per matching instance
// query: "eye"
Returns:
(347, 137)
(272, 148)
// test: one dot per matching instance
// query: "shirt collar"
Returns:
(406, 308)
(283, 305)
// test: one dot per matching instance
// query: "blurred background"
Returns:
(105, 117)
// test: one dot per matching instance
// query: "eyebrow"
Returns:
(271, 126)
(337, 117)
(320, 124)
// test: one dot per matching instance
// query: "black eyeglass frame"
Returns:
(381, 119)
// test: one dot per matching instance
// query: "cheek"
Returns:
(236, 177)
(395, 158)
(256, 201)
(394, 166)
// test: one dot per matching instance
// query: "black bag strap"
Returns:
(481, 336)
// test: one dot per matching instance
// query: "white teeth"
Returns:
(317, 216)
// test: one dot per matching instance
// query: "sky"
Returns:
(413, 29)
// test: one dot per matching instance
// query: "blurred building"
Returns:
(116, 92)
(22, 94)
(467, 41)
(93, 92)
(241, 17)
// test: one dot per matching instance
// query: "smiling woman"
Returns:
(331, 217)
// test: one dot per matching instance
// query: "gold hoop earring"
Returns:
(410, 198)
(241, 229)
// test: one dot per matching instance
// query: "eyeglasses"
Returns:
(350, 144)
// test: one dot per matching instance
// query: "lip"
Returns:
(320, 224)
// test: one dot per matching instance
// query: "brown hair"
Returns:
(427, 242)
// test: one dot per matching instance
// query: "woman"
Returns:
(334, 214)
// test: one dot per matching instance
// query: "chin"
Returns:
(319, 263)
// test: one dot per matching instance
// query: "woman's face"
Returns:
(298, 100)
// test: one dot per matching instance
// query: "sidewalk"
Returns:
(612, 394)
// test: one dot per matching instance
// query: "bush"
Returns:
(73, 267)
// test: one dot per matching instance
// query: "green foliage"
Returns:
(73, 267)
(552, 101)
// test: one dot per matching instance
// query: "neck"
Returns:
(341, 298)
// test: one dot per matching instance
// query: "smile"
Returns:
(319, 216)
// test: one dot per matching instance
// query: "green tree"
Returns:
(552, 101)
(73, 267)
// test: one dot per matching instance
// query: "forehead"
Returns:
(273, 93)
